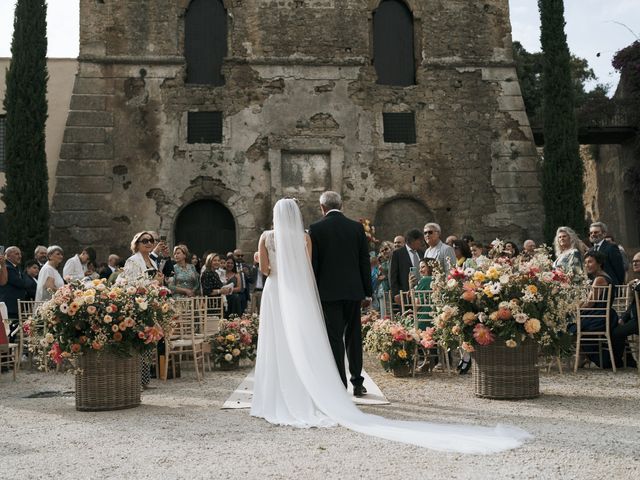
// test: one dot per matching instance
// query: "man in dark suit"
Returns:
(613, 264)
(14, 289)
(340, 261)
(402, 260)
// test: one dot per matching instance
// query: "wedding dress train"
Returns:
(296, 380)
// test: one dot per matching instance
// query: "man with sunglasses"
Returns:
(613, 264)
(437, 249)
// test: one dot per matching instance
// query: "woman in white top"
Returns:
(49, 279)
(140, 265)
(568, 257)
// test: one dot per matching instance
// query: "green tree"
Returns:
(26, 191)
(529, 67)
(562, 169)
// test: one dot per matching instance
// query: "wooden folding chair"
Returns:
(27, 310)
(9, 352)
(388, 304)
(405, 302)
(600, 297)
(184, 340)
(210, 311)
(423, 308)
(621, 298)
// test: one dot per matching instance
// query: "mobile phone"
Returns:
(163, 238)
(414, 271)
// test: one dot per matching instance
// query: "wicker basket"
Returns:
(107, 381)
(506, 373)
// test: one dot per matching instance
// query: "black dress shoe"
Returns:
(359, 391)
(464, 367)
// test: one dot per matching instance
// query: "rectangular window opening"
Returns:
(399, 127)
(204, 127)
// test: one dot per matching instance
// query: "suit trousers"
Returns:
(342, 318)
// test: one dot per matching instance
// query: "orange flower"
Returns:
(384, 357)
(532, 325)
(469, 295)
(468, 318)
(504, 314)
(483, 335)
(75, 347)
(96, 345)
(117, 336)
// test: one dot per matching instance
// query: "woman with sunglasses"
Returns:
(140, 264)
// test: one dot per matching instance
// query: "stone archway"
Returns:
(398, 215)
(206, 225)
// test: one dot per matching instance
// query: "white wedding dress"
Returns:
(296, 379)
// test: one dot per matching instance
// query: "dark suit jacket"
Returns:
(13, 291)
(340, 258)
(399, 270)
(613, 265)
(30, 285)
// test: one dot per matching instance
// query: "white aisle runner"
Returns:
(241, 398)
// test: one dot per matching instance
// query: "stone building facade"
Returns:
(301, 110)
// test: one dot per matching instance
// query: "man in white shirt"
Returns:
(76, 266)
(436, 249)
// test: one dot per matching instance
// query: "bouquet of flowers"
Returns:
(367, 320)
(237, 338)
(370, 232)
(510, 300)
(394, 341)
(92, 316)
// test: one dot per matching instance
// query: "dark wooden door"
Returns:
(393, 56)
(206, 225)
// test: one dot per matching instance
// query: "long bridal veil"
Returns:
(307, 340)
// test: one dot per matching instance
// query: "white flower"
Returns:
(100, 287)
(228, 357)
(64, 308)
(469, 271)
(452, 283)
(482, 317)
(495, 288)
(521, 317)
(48, 338)
(143, 305)
(504, 279)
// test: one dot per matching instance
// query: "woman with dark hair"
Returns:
(195, 261)
(510, 250)
(462, 251)
(594, 320)
(233, 278)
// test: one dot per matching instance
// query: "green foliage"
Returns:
(562, 169)
(529, 67)
(26, 190)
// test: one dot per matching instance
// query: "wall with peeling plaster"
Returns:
(302, 112)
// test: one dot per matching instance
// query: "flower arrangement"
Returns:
(236, 339)
(370, 232)
(509, 300)
(92, 316)
(367, 320)
(394, 341)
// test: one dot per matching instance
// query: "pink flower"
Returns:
(483, 335)
(55, 353)
(467, 347)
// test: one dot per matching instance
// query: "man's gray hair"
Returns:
(53, 249)
(38, 248)
(11, 249)
(433, 226)
(331, 200)
(601, 225)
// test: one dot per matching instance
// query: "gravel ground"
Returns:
(585, 426)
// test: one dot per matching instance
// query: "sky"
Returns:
(593, 26)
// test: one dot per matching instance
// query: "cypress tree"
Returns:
(562, 169)
(26, 192)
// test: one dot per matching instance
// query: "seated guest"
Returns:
(594, 320)
(12, 286)
(528, 250)
(90, 272)
(510, 250)
(76, 266)
(114, 276)
(424, 284)
(49, 279)
(568, 258)
(31, 271)
(462, 252)
(478, 259)
(628, 323)
(112, 265)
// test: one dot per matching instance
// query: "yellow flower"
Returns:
(478, 277)
(402, 353)
(231, 337)
(493, 273)
(532, 289)
(532, 325)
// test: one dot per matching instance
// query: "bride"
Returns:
(296, 379)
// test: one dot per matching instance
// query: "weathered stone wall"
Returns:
(301, 112)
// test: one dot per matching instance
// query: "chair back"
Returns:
(388, 303)
(405, 302)
(27, 310)
(621, 298)
(422, 306)
(208, 312)
(184, 327)
(600, 300)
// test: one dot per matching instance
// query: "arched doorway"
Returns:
(399, 215)
(206, 225)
